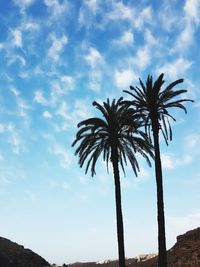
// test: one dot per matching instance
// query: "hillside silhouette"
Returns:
(185, 253)
(14, 255)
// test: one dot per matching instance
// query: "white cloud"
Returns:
(17, 38)
(2, 46)
(168, 16)
(39, 98)
(143, 174)
(127, 38)
(186, 38)
(14, 58)
(124, 78)
(61, 86)
(57, 46)
(96, 63)
(87, 12)
(192, 9)
(3, 128)
(63, 111)
(192, 141)
(94, 57)
(170, 161)
(60, 127)
(24, 74)
(95, 77)
(67, 83)
(23, 4)
(47, 114)
(15, 91)
(23, 107)
(143, 57)
(56, 8)
(65, 160)
(149, 38)
(93, 5)
(15, 139)
(81, 110)
(94, 85)
(189, 22)
(167, 162)
(144, 16)
(31, 26)
(176, 68)
(120, 12)
(136, 17)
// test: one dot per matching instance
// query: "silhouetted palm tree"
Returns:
(116, 136)
(153, 102)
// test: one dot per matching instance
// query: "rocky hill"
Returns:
(14, 255)
(185, 253)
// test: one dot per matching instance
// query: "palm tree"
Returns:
(116, 136)
(153, 102)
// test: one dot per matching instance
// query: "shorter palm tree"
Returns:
(153, 102)
(117, 138)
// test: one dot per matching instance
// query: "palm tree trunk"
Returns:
(120, 229)
(162, 257)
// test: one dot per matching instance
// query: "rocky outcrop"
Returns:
(185, 253)
(14, 255)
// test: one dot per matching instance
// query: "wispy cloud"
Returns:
(64, 158)
(57, 9)
(57, 46)
(125, 78)
(170, 161)
(39, 98)
(93, 57)
(176, 68)
(23, 4)
(126, 39)
(17, 38)
(23, 107)
(47, 114)
(192, 10)
(136, 17)
(15, 139)
(96, 62)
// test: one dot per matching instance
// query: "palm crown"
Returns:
(153, 101)
(118, 128)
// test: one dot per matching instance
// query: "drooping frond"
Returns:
(119, 127)
(152, 101)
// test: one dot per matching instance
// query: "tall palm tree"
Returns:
(153, 102)
(116, 136)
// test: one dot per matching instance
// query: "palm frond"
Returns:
(153, 102)
(118, 129)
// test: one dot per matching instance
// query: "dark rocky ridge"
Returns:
(185, 253)
(14, 255)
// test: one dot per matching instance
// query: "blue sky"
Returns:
(56, 58)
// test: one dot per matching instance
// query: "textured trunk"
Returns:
(120, 229)
(162, 257)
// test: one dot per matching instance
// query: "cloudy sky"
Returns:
(57, 56)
